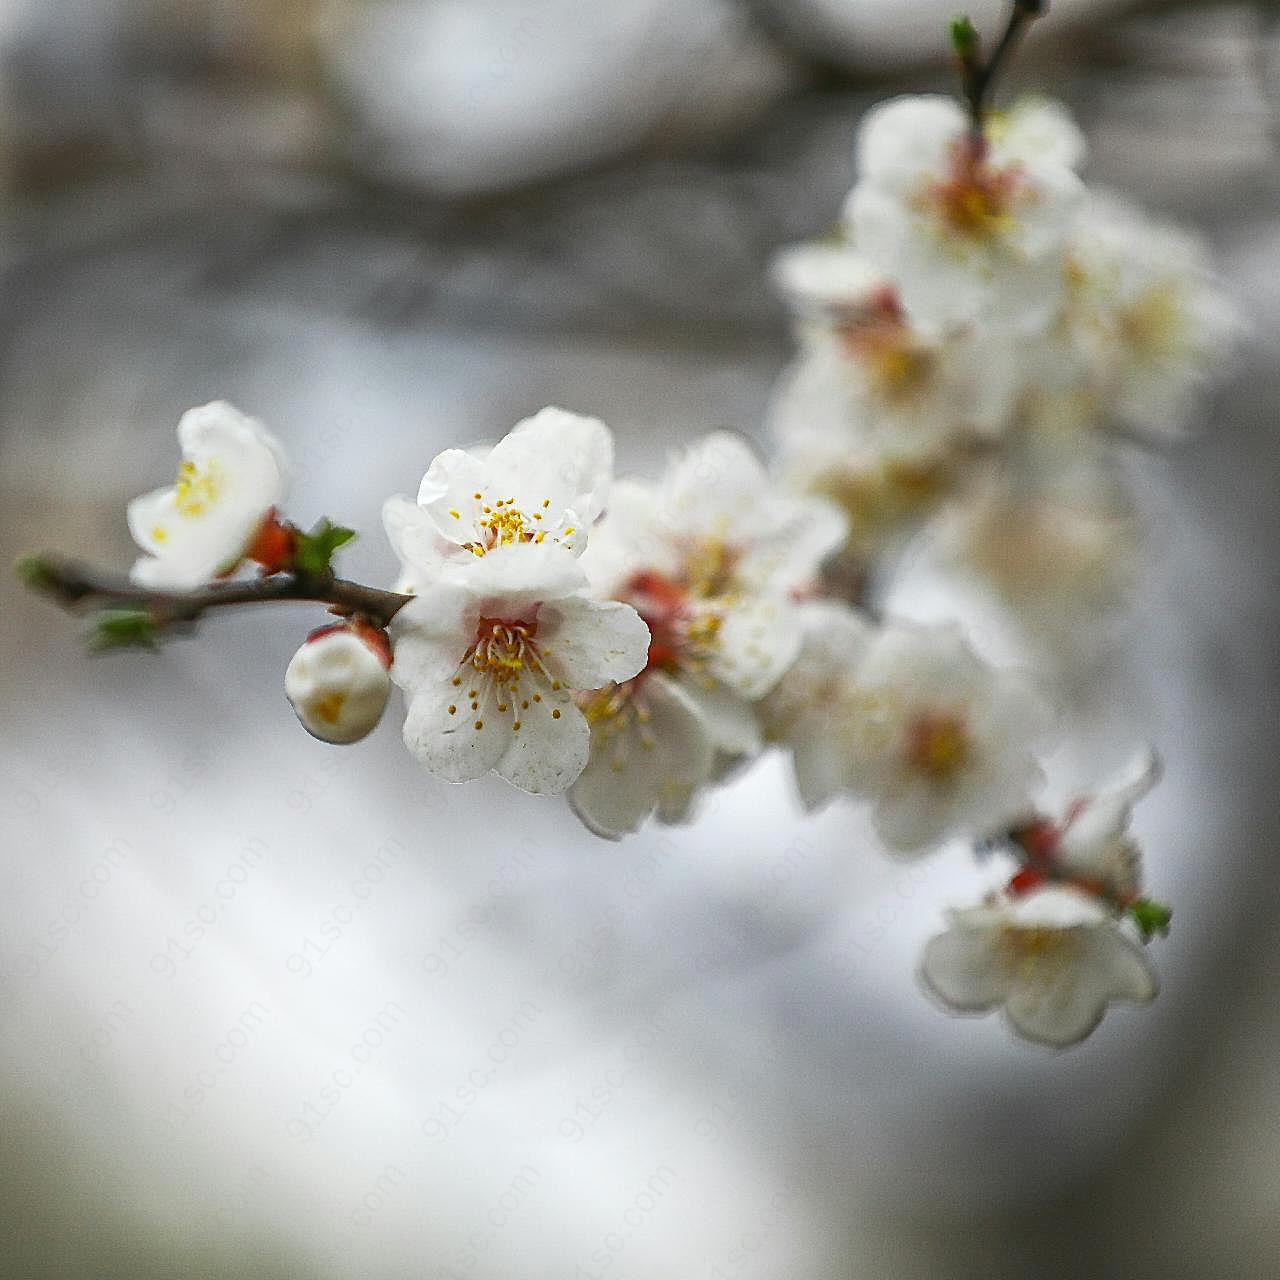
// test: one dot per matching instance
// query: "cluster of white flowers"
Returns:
(981, 302)
(634, 643)
(1052, 950)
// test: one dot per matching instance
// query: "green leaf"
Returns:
(314, 550)
(124, 629)
(37, 572)
(964, 38)
(1151, 917)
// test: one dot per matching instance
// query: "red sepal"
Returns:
(273, 545)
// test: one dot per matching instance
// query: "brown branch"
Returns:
(81, 588)
(978, 77)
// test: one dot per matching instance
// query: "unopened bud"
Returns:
(338, 681)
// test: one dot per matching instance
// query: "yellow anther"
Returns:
(197, 488)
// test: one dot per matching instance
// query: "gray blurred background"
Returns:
(277, 1009)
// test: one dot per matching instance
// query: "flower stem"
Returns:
(978, 77)
(81, 588)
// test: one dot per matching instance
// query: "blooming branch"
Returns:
(965, 350)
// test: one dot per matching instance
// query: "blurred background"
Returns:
(277, 1009)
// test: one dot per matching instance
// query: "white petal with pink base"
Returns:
(490, 659)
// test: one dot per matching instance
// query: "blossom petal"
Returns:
(914, 818)
(417, 542)
(449, 745)
(906, 137)
(448, 494)
(239, 476)
(817, 277)
(625, 779)
(756, 642)
(962, 967)
(1120, 965)
(1057, 1010)
(592, 643)
(821, 768)
(730, 722)
(431, 635)
(559, 456)
(549, 750)
(1039, 130)
(523, 573)
(714, 488)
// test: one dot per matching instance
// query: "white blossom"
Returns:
(545, 481)
(1053, 959)
(711, 557)
(651, 750)
(1093, 843)
(338, 682)
(814, 709)
(866, 369)
(490, 654)
(1052, 532)
(230, 479)
(967, 228)
(1146, 312)
(943, 743)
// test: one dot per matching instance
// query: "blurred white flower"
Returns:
(545, 481)
(1053, 533)
(1093, 844)
(865, 368)
(338, 682)
(943, 744)
(1054, 959)
(814, 709)
(826, 454)
(490, 654)
(1146, 312)
(967, 228)
(231, 477)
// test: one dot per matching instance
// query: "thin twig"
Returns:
(80, 588)
(979, 77)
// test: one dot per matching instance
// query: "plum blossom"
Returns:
(709, 558)
(814, 709)
(882, 498)
(490, 654)
(1091, 847)
(1053, 959)
(968, 228)
(544, 482)
(651, 750)
(230, 479)
(943, 744)
(1056, 539)
(865, 368)
(337, 681)
(1146, 313)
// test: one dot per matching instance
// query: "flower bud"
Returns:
(338, 682)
